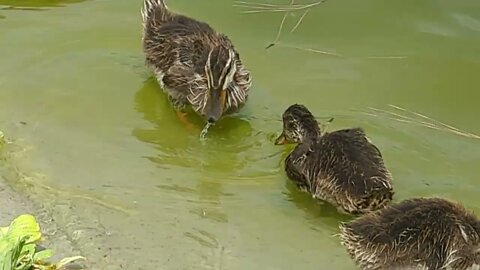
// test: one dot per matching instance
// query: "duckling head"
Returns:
(220, 69)
(299, 125)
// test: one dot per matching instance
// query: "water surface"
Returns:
(108, 156)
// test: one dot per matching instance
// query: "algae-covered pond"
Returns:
(134, 189)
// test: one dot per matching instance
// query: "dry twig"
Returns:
(286, 9)
(419, 119)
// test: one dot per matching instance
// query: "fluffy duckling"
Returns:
(343, 167)
(425, 233)
(195, 65)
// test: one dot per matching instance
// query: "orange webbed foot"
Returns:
(184, 119)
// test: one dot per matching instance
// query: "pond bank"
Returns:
(14, 204)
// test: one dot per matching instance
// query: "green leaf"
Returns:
(7, 260)
(5, 246)
(29, 249)
(17, 247)
(6, 257)
(25, 260)
(12, 256)
(3, 231)
(43, 255)
(24, 225)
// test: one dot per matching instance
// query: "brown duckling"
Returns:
(343, 167)
(197, 66)
(425, 233)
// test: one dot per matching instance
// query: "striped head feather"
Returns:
(221, 90)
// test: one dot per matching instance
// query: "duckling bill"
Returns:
(195, 65)
(343, 167)
(420, 233)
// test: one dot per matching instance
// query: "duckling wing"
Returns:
(357, 165)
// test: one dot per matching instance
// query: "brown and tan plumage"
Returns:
(194, 64)
(421, 233)
(343, 167)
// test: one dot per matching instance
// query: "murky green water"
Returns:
(129, 181)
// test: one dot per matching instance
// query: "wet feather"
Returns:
(420, 233)
(189, 57)
(342, 167)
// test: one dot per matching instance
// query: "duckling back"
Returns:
(343, 168)
(432, 233)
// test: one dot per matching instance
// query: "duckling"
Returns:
(195, 65)
(343, 167)
(425, 233)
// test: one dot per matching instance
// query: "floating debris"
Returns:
(253, 7)
(410, 117)
(285, 9)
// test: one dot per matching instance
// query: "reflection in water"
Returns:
(230, 146)
(234, 154)
(316, 211)
(36, 3)
(203, 170)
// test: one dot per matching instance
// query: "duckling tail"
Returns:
(153, 10)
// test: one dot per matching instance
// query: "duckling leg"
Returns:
(178, 104)
(183, 118)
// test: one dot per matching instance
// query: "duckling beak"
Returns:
(281, 140)
(216, 106)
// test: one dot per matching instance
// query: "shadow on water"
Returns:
(21, 4)
(317, 212)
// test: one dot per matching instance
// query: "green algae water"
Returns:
(137, 189)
